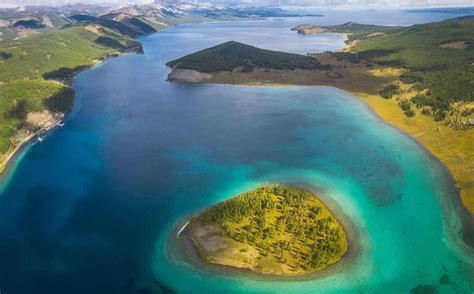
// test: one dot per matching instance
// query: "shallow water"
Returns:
(90, 209)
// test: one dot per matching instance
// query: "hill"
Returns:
(29, 104)
(438, 60)
(273, 229)
(232, 55)
(35, 56)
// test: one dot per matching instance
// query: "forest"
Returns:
(232, 55)
(287, 223)
(438, 59)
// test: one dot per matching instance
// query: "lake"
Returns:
(91, 208)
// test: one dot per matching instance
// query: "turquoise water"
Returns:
(387, 186)
(90, 209)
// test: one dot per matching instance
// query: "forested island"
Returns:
(418, 78)
(272, 230)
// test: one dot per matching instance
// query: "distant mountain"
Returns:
(132, 20)
(132, 26)
(170, 12)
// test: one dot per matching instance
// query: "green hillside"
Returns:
(232, 55)
(34, 56)
(18, 98)
(25, 64)
(439, 57)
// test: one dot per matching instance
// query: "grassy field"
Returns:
(271, 230)
(343, 74)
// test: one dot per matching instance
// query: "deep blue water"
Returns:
(91, 208)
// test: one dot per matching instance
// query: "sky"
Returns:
(319, 3)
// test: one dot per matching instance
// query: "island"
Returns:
(271, 230)
(417, 78)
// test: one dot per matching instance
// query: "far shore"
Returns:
(180, 245)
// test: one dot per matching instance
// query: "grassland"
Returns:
(273, 229)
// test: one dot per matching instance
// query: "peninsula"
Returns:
(234, 57)
(352, 29)
(417, 78)
(272, 230)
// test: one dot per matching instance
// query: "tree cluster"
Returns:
(282, 221)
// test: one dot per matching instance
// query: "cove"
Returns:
(91, 209)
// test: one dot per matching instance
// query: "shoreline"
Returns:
(10, 159)
(466, 217)
(30, 139)
(182, 247)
